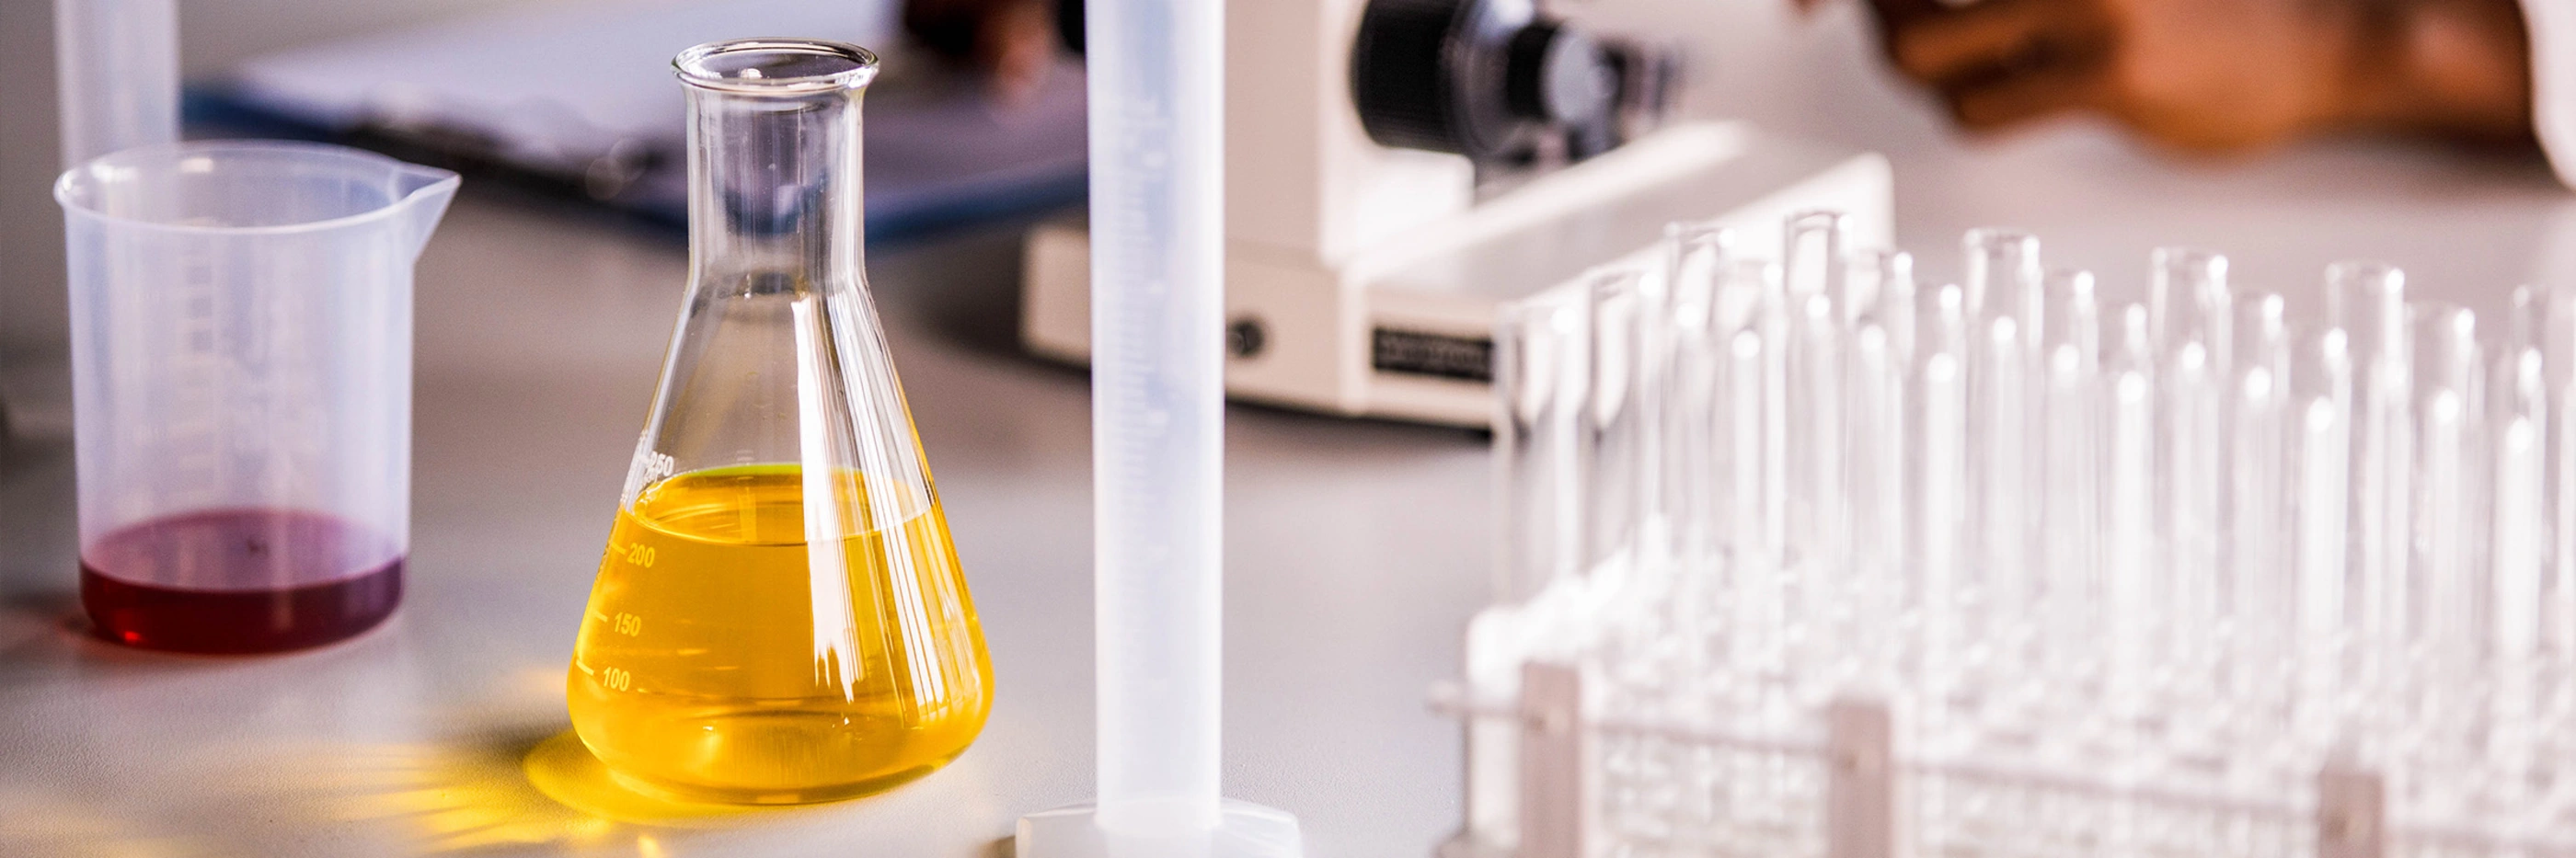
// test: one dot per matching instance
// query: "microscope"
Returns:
(1397, 169)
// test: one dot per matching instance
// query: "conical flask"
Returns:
(779, 615)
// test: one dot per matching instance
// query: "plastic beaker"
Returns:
(241, 320)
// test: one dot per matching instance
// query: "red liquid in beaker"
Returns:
(232, 550)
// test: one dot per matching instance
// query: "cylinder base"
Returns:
(1243, 830)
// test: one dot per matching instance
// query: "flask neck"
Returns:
(774, 190)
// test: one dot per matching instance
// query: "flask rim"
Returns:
(699, 66)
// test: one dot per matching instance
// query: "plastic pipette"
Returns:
(1156, 76)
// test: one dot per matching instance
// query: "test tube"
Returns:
(2521, 406)
(2191, 301)
(1749, 515)
(1754, 573)
(1891, 274)
(2558, 379)
(1695, 264)
(2447, 571)
(1940, 451)
(1862, 279)
(1773, 321)
(1812, 257)
(2070, 484)
(2323, 384)
(2128, 517)
(2367, 301)
(1612, 434)
(1761, 588)
(1997, 463)
(1945, 324)
(2448, 354)
(1941, 507)
(1875, 468)
(2193, 465)
(1539, 384)
(1649, 391)
(2519, 595)
(2004, 277)
(2263, 337)
(1734, 309)
(2526, 316)
(2190, 314)
(2557, 336)
(2074, 317)
(1941, 498)
(2259, 585)
(1815, 432)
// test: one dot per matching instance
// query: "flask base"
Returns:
(1243, 830)
(696, 794)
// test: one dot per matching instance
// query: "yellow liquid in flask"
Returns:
(724, 658)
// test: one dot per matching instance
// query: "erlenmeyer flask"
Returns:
(779, 616)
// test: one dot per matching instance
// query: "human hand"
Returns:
(2223, 75)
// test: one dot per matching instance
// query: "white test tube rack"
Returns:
(1802, 560)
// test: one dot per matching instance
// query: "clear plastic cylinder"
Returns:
(1540, 348)
(116, 72)
(241, 368)
(1157, 317)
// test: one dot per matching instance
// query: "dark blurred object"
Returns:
(1015, 43)
(500, 99)
(1515, 89)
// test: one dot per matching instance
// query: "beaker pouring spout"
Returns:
(421, 195)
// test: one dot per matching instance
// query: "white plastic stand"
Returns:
(1156, 73)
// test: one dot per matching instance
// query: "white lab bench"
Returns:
(1356, 551)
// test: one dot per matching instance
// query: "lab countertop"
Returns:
(1355, 551)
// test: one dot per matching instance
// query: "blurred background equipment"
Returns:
(501, 98)
(1803, 560)
(1514, 89)
(1398, 168)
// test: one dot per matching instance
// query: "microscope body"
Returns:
(1396, 169)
